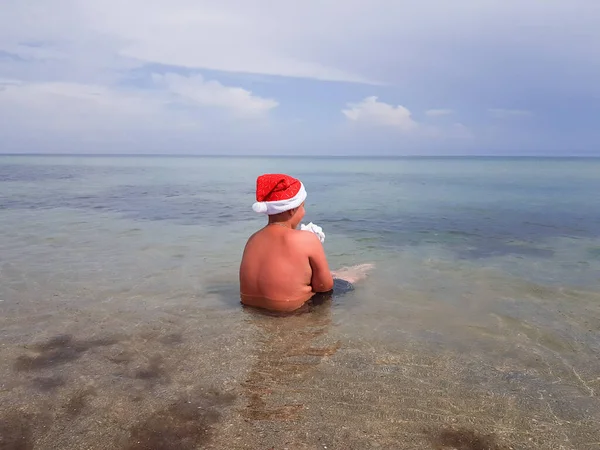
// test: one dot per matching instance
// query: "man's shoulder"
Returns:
(257, 238)
(300, 237)
(254, 235)
(305, 237)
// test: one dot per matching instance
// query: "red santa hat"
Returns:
(277, 192)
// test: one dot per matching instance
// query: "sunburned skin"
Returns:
(283, 267)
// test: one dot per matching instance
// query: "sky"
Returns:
(314, 77)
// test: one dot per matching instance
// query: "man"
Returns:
(282, 267)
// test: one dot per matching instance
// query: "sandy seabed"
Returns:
(139, 373)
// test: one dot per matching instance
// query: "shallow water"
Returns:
(121, 325)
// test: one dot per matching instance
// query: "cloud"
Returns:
(83, 104)
(372, 111)
(438, 112)
(72, 106)
(196, 90)
(79, 118)
(380, 117)
(231, 36)
(315, 39)
(501, 113)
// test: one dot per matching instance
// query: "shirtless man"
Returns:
(283, 267)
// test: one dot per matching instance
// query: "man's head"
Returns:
(292, 216)
(281, 197)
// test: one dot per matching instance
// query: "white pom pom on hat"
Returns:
(276, 193)
(260, 207)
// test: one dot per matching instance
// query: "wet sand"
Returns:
(207, 373)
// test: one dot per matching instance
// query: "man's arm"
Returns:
(321, 280)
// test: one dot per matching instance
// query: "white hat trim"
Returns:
(279, 206)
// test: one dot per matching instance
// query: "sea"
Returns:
(477, 328)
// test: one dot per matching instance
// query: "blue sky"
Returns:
(393, 77)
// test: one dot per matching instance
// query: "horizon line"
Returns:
(195, 155)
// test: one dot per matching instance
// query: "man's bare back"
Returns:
(283, 267)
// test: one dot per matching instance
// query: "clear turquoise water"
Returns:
(489, 267)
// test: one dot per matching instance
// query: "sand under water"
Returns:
(99, 374)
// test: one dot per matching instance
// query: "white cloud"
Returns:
(319, 39)
(372, 111)
(212, 93)
(74, 111)
(438, 112)
(79, 118)
(375, 113)
(233, 36)
(501, 113)
(72, 106)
